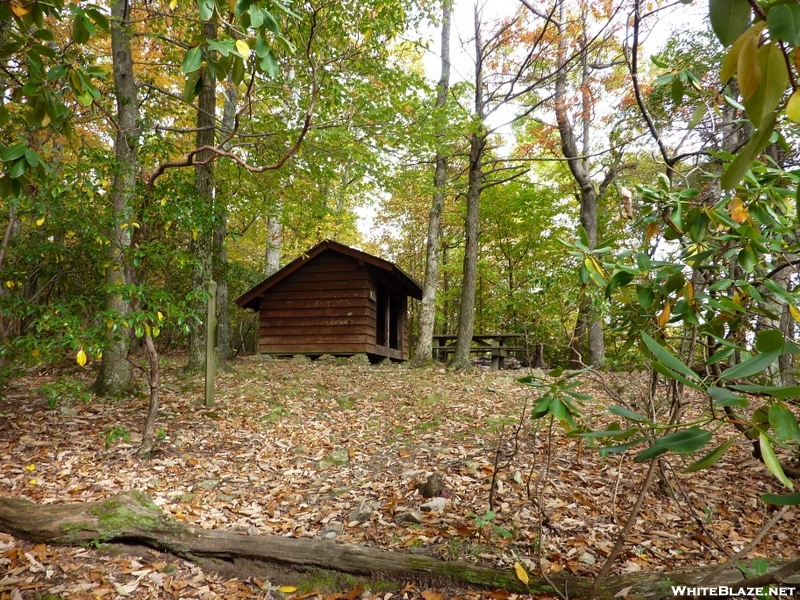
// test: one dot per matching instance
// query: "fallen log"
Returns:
(131, 518)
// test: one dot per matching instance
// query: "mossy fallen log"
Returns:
(132, 518)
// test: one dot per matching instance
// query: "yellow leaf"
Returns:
(81, 357)
(521, 574)
(173, 4)
(688, 290)
(793, 107)
(666, 312)
(30, 467)
(748, 67)
(287, 589)
(795, 313)
(34, 482)
(243, 48)
(9, 284)
(160, 316)
(40, 222)
(737, 210)
(652, 229)
(46, 120)
(20, 9)
(35, 353)
(731, 61)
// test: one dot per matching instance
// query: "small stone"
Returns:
(330, 535)
(411, 516)
(300, 358)
(252, 530)
(155, 482)
(360, 359)
(187, 498)
(435, 505)
(587, 558)
(173, 496)
(209, 484)
(432, 487)
(339, 457)
(326, 358)
(225, 497)
(334, 527)
(360, 514)
(517, 477)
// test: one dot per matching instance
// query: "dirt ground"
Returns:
(338, 450)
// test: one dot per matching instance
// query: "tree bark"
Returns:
(477, 148)
(131, 518)
(427, 314)
(202, 247)
(115, 376)
(590, 334)
(272, 254)
(224, 348)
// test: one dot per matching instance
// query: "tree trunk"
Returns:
(427, 314)
(224, 348)
(272, 255)
(477, 147)
(115, 376)
(202, 247)
(131, 518)
(579, 167)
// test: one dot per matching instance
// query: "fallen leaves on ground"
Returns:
(337, 451)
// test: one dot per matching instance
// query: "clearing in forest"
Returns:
(338, 450)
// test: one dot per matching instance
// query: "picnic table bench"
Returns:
(500, 345)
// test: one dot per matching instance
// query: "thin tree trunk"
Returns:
(115, 374)
(202, 247)
(578, 166)
(272, 254)
(477, 147)
(224, 349)
(427, 315)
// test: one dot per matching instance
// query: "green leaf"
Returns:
(772, 462)
(776, 391)
(256, 16)
(751, 366)
(785, 423)
(747, 259)
(619, 279)
(646, 297)
(626, 413)
(783, 21)
(723, 397)
(193, 60)
(271, 23)
(686, 441)
(771, 339)
(14, 152)
(774, 79)
(665, 357)
(79, 31)
(268, 64)
(18, 168)
(728, 18)
(747, 155)
(697, 116)
(781, 500)
(710, 458)
(651, 452)
(237, 73)
(32, 157)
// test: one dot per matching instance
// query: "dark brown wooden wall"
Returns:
(323, 307)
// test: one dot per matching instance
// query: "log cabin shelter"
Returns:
(334, 300)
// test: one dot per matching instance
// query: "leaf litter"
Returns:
(339, 451)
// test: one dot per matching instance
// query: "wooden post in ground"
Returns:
(211, 330)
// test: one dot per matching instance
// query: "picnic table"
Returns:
(500, 345)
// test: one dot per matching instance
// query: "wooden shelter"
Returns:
(334, 300)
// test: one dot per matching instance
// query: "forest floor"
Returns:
(337, 450)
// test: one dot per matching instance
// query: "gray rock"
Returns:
(187, 498)
(434, 505)
(360, 359)
(209, 484)
(300, 358)
(384, 362)
(225, 497)
(360, 514)
(411, 516)
(587, 558)
(266, 357)
(155, 482)
(339, 457)
(326, 358)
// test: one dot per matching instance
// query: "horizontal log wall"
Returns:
(325, 307)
